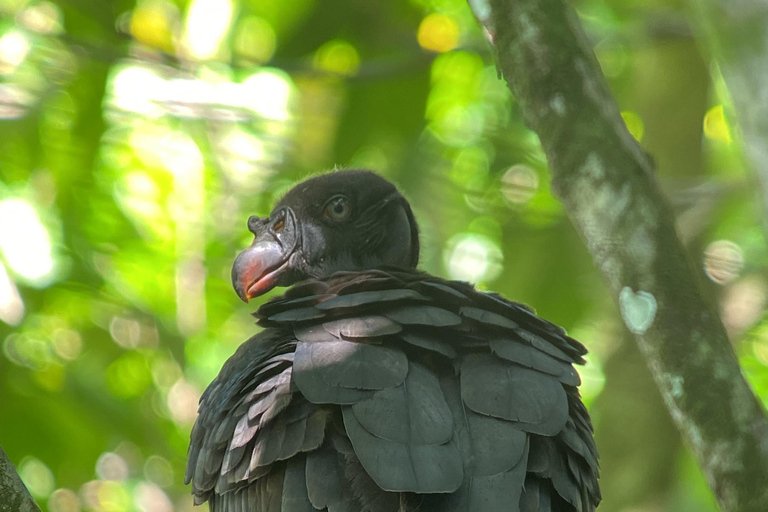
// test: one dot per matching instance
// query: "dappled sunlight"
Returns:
(11, 303)
(137, 140)
(206, 26)
(25, 243)
(154, 91)
(473, 258)
(14, 47)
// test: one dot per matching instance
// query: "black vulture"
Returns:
(376, 387)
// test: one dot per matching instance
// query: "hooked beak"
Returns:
(258, 268)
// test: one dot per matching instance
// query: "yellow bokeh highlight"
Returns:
(337, 56)
(438, 32)
(151, 24)
(634, 124)
(716, 126)
(255, 39)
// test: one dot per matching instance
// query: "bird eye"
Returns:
(337, 208)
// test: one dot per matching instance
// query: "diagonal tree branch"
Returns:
(14, 496)
(606, 183)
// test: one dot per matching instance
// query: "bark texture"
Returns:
(606, 183)
(14, 496)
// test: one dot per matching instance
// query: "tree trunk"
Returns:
(606, 183)
(14, 496)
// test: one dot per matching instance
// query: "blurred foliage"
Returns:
(136, 137)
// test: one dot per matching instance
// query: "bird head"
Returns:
(345, 220)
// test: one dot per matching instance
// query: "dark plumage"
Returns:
(376, 387)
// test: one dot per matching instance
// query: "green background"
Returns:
(136, 137)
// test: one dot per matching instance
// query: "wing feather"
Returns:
(369, 384)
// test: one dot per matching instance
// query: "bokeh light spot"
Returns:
(183, 398)
(11, 304)
(743, 304)
(25, 242)
(14, 47)
(207, 25)
(474, 258)
(125, 332)
(64, 500)
(13, 101)
(267, 93)
(159, 471)
(26, 351)
(150, 498)
(255, 39)
(438, 32)
(152, 23)
(37, 477)
(128, 375)
(519, 184)
(41, 17)
(111, 466)
(337, 56)
(716, 126)
(135, 89)
(67, 343)
(723, 261)
(634, 124)
(181, 155)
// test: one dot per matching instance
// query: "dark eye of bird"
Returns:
(337, 208)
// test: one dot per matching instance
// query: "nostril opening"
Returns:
(254, 223)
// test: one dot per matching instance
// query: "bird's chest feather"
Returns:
(408, 383)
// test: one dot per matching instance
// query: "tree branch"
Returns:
(14, 496)
(605, 182)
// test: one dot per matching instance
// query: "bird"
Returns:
(376, 387)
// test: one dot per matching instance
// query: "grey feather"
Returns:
(429, 343)
(542, 344)
(295, 498)
(423, 315)
(414, 412)
(532, 358)
(353, 300)
(443, 288)
(492, 387)
(314, 333)
(370, 326)
(350, 365)
(327, 484)
(487, 317)
(403, 467)
(297, 315)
